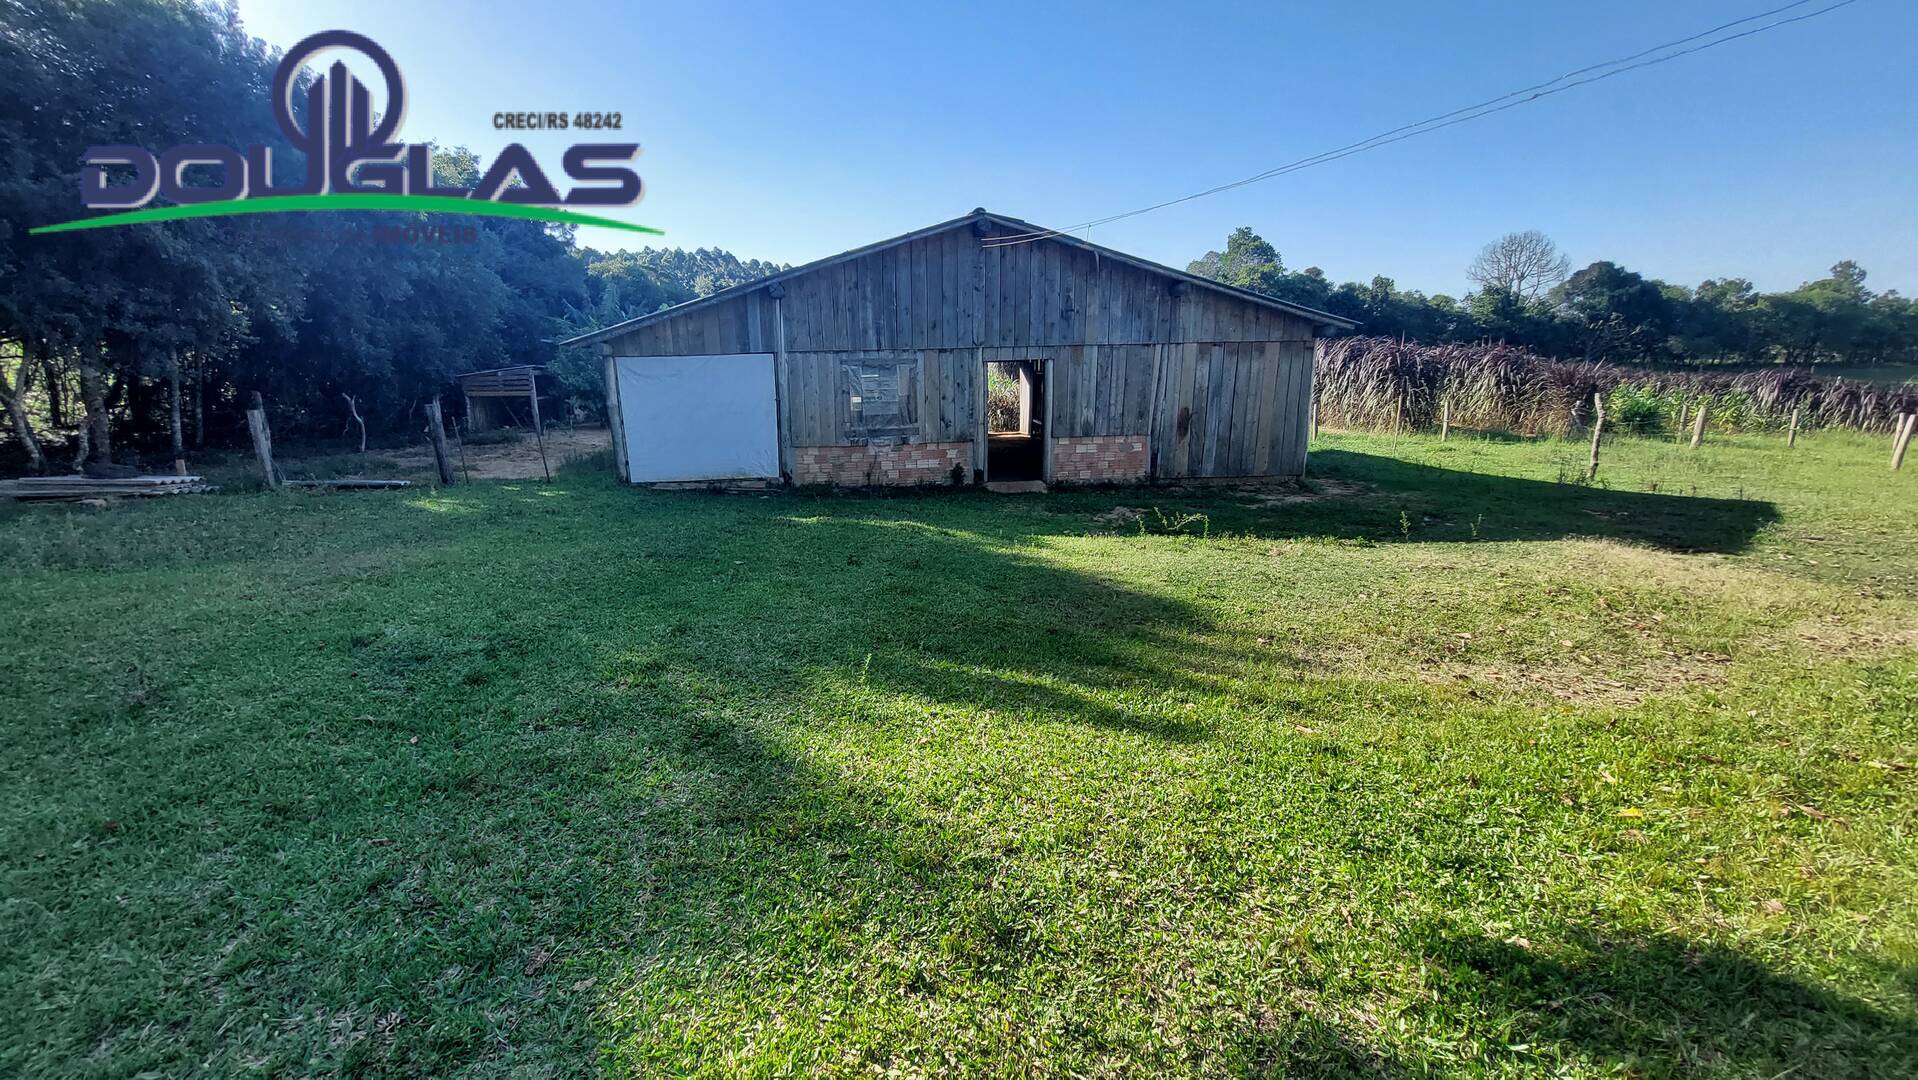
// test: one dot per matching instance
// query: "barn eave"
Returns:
(1323, 321)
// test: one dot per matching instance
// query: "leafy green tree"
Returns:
(111, 304)
(1248, 262)
(685, 275)
(1615, 314)
(1823, 318)
(621, 285)
(1721, 321)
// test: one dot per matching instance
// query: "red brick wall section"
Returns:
(1099, 459)
(875, 466)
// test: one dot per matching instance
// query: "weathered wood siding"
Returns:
(1220, 384)
(815, 404)
(949, 291)
(1103, 389)
(1232, 409)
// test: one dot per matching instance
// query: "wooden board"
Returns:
(1219, 383)
(947, 291)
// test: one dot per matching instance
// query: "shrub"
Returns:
(1002, 398)
(1367, 382)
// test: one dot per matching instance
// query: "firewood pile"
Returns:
(76, 488)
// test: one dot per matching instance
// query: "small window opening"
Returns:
(881, 399)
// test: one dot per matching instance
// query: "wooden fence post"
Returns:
(459, 440)
(539, 433)
(1398, 416)
(1598, 426)
(1698, 427)
(173, 411)
(436, 430)
(1906, 423)
(1791, 439)
(262, 440)
(1445, 420)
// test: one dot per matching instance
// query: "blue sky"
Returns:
(793, 131)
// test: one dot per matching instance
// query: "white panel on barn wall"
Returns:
(699, 417)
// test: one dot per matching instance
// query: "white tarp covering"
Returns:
(698, 417)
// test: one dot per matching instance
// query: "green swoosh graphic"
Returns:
(286, 204)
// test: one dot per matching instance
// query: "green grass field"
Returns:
(1436, 763)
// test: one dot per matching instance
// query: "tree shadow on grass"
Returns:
(739, 864)
(1314, 1048)
(858, 639)
(1350, 495)
(1614, 1002)
(533, 748)
(1661, 1005)
(618, 774)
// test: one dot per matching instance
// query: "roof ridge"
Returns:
(976, 214)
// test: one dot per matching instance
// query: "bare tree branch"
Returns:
(1526, 264)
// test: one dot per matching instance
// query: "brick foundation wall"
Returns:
(874, 466)
(1099, 459)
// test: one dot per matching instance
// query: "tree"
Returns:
(1721, 320)
(122, 71)
(1248, 262)
(128, 321)
(1615, 314)
(1827, 317)
(1526, 264)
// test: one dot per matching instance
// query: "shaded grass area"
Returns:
(1434, 764)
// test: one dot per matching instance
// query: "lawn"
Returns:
(1440, 762)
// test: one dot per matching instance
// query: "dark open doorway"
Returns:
(1015, 421)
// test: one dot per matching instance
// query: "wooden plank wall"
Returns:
(512, 382)
(1103, 389)
(815, 405)
(1232, 409)
(949, 291)
(1221, 384)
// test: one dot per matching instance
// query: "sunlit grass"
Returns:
(1437, 763)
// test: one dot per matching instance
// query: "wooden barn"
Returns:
(979, 349)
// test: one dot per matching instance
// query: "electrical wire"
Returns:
(1466, 113)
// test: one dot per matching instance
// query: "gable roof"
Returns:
(1320, 318)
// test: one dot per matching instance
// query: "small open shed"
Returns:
(980, 349)
(500, 397)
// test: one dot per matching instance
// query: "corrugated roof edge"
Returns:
(492, 370)
(1323, 318)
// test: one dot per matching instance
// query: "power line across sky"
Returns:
(1666, 52)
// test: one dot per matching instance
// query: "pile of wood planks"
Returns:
(348, 484)
(76, 487)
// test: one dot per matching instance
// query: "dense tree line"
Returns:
(127, 339)
(1527, 297)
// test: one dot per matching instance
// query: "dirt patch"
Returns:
(1120, 515)
(1284, 493)
(518, 459)
(1584, 686)
(1592, 682)
(1832, 637)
